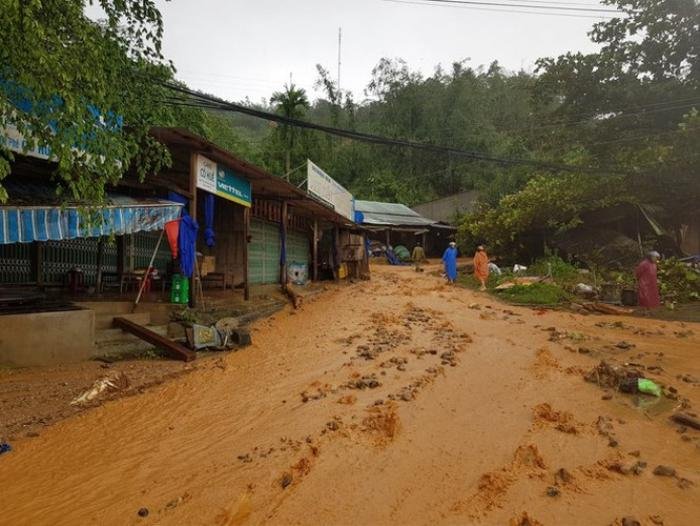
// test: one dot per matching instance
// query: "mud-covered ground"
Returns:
(396, 401)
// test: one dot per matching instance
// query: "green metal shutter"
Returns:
(264, 252)
(297, 248)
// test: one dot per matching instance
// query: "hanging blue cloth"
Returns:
(209, 236)
(178, 198)
(449, 258)
(187, 242)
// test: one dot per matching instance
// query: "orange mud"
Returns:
(385, 402)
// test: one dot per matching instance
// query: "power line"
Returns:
(527, 6)
(209, 102)
(424, 3)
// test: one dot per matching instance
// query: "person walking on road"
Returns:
(647, 281)
(481, 266)
(449, 258)
(418, 257)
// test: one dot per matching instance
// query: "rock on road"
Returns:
(396, 401)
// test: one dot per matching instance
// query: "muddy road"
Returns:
(395, 401)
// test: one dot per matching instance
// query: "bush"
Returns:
(535, 294)
(678, 282)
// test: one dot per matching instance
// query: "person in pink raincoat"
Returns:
(647, 282)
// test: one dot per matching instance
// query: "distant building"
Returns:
(447, 209)
(395, 224)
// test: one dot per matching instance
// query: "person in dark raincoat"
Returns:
(449, 258)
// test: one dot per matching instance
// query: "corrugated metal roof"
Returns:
(390, 214)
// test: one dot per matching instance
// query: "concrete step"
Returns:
(107, 307)
(104, 320)
(107, 336)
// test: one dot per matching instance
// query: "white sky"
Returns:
(237, 48)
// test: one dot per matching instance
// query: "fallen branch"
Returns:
(686, 420)
(295, 297)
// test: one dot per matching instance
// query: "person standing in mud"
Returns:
(418, 257)
(647, 282)
(481, 266)
(449, 258)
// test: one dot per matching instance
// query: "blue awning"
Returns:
(27, 222)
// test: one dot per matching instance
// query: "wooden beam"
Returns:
(193, 213)
(174, 349)
(314, 251)
(246, 263)
(283, 233)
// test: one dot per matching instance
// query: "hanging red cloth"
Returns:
(172, 230)
(647, 284)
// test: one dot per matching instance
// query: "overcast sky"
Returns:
(237, 48)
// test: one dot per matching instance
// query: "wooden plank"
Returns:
(174, 349)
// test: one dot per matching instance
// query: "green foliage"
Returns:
(678, 282)
(535, 294)
(561, 271)
(547, 205)
(52, 55)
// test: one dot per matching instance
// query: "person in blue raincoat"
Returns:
(449, 258)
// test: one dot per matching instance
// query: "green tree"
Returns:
(86, 90)
(291, 103)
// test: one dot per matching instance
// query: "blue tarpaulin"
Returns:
(188, 238)
(32, 214)
(209, 236)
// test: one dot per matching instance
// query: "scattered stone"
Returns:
(625, 345)
(584, 350)
(286, 480)
(664, 471)
(630, 521)
(656, 519)
(607, 396)
(563, 475)
(32, 434)
(684, 483)
(553, 491)
(332, 425)
(246, 459)
(143, 512)
(635, 453)
(365, 382)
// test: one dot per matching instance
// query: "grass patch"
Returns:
(535, 294)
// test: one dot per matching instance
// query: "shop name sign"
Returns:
(323, 186)
(221, 181)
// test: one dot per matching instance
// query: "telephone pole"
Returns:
(340, 43)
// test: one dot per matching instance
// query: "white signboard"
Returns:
(326, 188)
(13, 140)
(206, 174)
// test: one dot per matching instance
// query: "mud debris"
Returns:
(664, 471)
(368, 381)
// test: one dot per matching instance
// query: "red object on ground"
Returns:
(172, 230)
(647, 285)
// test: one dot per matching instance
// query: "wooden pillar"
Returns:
(283, 233)
(193, 214)
(388, 238)
(314, 255)
(246, 266)
(100, 260)
(424, 242)
(336, 253)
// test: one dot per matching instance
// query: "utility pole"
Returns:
(340, 42)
